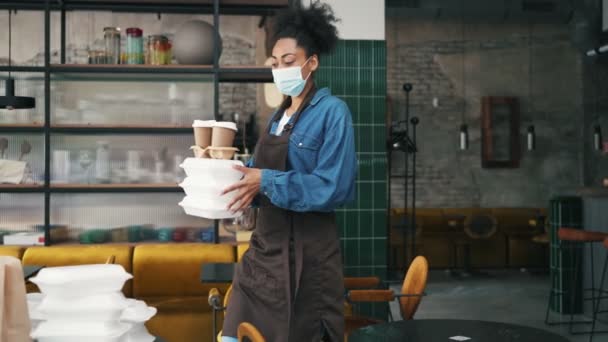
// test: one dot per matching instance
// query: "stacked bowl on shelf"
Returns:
(210, 171)
(85, 303)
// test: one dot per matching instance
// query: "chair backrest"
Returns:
(248, 333)
(111, 259)
(413, 285)
(227, 297)
(480, 226)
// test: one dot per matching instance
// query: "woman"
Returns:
(289, 283)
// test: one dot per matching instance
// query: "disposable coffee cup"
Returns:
(223, 134)
(202, 132)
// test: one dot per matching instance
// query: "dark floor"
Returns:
(518, 297)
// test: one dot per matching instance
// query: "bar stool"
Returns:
(597, 307)
(574, 241)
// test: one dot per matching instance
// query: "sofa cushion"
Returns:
(81, 255)
(175, 270)
(14, 251)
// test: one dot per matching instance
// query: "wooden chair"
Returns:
(248, 333)
(598, 305)
(350, 283)
(411, 294)
(358, 283)
(111, 259)
(226, 297)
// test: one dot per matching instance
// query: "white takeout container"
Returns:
(137, 312)
(139, 333)
(95, 308)
(81, 280)
(197, 188)
(206, 209)
(58, 331)
(218, 171)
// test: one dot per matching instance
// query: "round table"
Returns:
(441, 330)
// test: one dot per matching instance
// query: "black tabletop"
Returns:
(217, 272)
(30, 271)
(449, 330)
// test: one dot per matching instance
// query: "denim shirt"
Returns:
(321, 159)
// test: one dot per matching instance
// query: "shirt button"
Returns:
(266, 193)
(300, 144)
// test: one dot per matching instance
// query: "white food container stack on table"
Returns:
(85, 303)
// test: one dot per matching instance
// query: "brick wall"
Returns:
(429, 54)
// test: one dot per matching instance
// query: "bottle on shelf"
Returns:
(102, 162)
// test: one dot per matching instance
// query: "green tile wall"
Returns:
(356, 72)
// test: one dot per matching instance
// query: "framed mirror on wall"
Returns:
(500, 132)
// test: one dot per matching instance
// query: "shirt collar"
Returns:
(320, 94)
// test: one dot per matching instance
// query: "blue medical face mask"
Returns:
(289, 81)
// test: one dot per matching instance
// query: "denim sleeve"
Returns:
(332, 182)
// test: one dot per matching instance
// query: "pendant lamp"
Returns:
(9, 100)
(464, 129)
(597, 137)
(464, 137)
(531, 135)
(531, 138)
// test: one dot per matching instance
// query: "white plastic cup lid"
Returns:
(226, 124)
(203, 123)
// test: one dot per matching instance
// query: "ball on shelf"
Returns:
(193, 43)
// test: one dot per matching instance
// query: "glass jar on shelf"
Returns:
(102, 162)
(98, 57)
(111, 36)
(134, 46)
(159, 50)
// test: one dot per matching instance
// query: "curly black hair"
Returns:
(313, 28)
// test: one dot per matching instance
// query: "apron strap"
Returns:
(311, 94)
(286, 103)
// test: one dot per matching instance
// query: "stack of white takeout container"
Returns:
(205, 181)
(211, 170)
(85, 303)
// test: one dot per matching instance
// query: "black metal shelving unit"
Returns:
(220, 74)
(403, 139)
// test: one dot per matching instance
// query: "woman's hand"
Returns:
(248, 187)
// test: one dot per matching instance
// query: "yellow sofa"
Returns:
(14, 251)
(166, 276)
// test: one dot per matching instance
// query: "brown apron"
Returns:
(289, 283)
